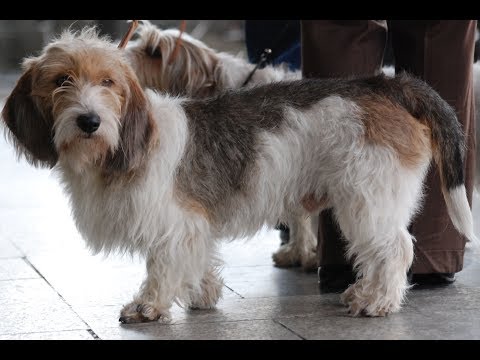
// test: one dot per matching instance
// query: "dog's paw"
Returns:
(359, 308)
(206, 301)
(371, 306)
(286, 256)
(289, 256)
(348, 299)
(348, 295)
(143, 312)
(210, 293)
(202, 306)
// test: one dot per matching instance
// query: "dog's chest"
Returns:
(107, 214)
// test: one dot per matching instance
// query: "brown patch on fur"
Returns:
(192, 205)
(196, 207)
(390, 125)
(311, 204)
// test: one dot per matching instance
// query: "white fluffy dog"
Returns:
(170, 177)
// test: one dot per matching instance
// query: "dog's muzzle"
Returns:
(88, 123)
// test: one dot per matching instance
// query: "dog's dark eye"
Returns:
(107, 82)
(153, 52)
(61, 80)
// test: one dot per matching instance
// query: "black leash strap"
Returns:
(263, 59)
(266, 52)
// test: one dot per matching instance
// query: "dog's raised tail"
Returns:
(448, 146)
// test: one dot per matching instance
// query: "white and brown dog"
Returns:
(170, 177)
(199, 71)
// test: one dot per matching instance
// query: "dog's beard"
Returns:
(80, 150)
(84, 152)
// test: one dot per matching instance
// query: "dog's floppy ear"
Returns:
(135, 132)
(29, 130)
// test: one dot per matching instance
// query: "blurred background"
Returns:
(20, 38)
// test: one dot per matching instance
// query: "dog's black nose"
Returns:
(89, 123)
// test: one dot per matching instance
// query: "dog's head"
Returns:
(191, 71)
(80, 103)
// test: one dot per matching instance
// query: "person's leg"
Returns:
(291, 56)
(441, 53)
(339, 48)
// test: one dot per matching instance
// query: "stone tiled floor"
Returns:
(51, 287)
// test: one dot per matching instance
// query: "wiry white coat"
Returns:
(373, 195)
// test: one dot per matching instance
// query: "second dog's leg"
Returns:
(301, 249)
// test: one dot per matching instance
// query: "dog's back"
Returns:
(328, 120)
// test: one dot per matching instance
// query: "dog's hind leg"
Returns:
(301, 249)
(374, 222)
(382, 273)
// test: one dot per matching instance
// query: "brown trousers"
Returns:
(441, 53)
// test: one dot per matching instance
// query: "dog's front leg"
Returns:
(210, 291)
(187, 273)
(156, 295)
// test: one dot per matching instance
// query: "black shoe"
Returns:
(335, 278)
(423, 281)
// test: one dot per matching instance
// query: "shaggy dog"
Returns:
(170, 177)
(199, 71)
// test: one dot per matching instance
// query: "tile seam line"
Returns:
(229, 288)
(89, 328)
(140, 325)
(288, 329)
